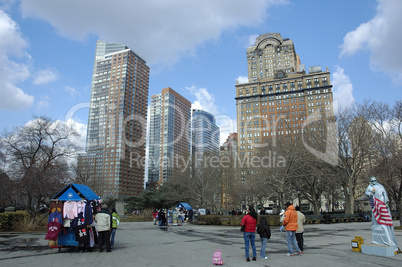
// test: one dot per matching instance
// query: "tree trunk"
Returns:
(399, 210)
(317, 210)
(350, 202)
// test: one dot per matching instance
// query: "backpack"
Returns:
(217, 258)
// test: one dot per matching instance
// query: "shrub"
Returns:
(21, 221)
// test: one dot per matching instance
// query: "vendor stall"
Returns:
(70, 217)
(184, 213)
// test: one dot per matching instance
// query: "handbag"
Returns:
(242, 228)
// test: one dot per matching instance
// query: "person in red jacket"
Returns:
(250, 223)
(290, 223)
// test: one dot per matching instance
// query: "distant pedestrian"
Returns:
(250, 223)
(155, 216)
(103, 221)
(159, 216)
(264, 231)
(262, 211)
(115, 224)
(301, 219)
(281, 215)
(162, 218)
(290, 223)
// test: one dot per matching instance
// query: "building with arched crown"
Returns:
(281, 99)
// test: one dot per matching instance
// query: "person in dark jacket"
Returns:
(104, 223)
(162, 218)
(264, 231)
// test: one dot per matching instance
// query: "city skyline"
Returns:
(46, 59)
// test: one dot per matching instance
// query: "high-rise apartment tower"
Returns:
(205, 137)
(116, 135)
(169, 137)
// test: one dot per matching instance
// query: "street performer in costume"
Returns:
(382, 230)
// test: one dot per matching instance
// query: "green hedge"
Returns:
(9, 220)
(235, 220)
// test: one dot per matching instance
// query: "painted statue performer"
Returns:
(382, 230)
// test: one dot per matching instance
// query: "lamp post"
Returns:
(298, 196)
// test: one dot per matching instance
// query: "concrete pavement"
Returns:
(144, 244)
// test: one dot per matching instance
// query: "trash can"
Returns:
(327, 218)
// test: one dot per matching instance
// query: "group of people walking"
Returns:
(293, 221)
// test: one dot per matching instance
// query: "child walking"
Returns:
(264, 231)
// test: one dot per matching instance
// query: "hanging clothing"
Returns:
(56, 206)
(70, 209)
(53, 230)
(55, 217)
(88, 213)
(81, 206)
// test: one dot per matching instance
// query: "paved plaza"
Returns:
(144, 244)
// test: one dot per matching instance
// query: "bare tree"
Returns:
(205, 182)
(354, 151)
(230, 180)
(387, 124)
(38, 154)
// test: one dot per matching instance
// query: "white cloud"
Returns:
(45, 76)
(227, 125)
(159, 30)
(343, 89)
(203, 100)
(252, 39)
(80, 129)
(71, 90)
(242, 79)
(12, 44)
(43, 103)
(381, 36)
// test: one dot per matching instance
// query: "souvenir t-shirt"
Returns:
(82, 232)
(56, 206)
(55, 217)
(53, 229)
(70, 209)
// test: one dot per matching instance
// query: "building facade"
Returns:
(169, 137)
(280, 98)
(115, 149)
(205, 137)
(228, 155)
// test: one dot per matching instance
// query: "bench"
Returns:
(312, 219)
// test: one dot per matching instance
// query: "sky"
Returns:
(198, 48)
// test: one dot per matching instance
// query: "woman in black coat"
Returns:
(264, 231)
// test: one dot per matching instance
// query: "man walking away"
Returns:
(301, 219)
(103, 221)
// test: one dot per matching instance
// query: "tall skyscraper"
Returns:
(169, 137)
(116, 134)
(205, 136)
(280, 97)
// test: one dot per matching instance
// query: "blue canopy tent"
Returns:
(73, 192)
(76, 192)
(184, 205)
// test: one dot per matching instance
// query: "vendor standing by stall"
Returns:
(103, 220)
